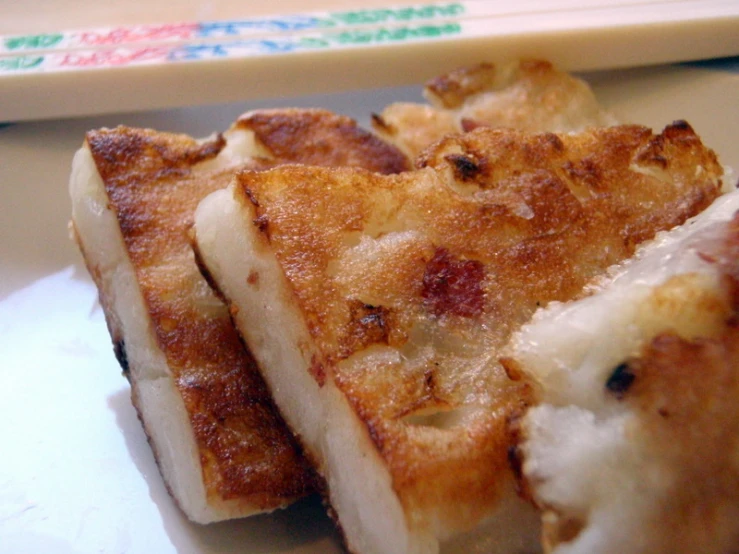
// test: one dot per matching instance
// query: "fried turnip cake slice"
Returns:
(529, 95)
(221, 447)
(377, 305)
(635, 445)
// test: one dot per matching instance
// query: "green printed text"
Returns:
(20, 63)
(32, 42)
(383, 35)
(399, 14)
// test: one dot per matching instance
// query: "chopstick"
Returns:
(182, 32)
(397, 41)
(192, 41)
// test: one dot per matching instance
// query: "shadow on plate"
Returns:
(301, 528)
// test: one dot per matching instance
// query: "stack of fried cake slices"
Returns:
(340, 322)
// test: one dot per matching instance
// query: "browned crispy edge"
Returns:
(166, 157)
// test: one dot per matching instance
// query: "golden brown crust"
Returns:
(319, 137)
(536, 96)
(651, 442)
(455, 257)
(454, 88)
(414, 127)
(530, 95)
(153, 186)
(245, 451)
(684, 394)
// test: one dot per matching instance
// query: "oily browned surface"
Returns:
(530, 95)
(414, 126)
(684, 394)
(451, 90)
(317, 137)
(245, 449)
(663, 464)
(411, 284)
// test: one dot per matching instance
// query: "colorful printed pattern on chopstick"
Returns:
(342, 30)
(183, 32)
(277, 44)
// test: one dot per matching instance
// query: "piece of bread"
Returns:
(529, 95)
(634, 448)
(221, 446)
(377, 306)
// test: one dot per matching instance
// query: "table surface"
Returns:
(76, 473)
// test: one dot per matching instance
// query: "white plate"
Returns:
(76, 473)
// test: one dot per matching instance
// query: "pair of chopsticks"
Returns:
(196, 41)
(282, 34)
(399, 44)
